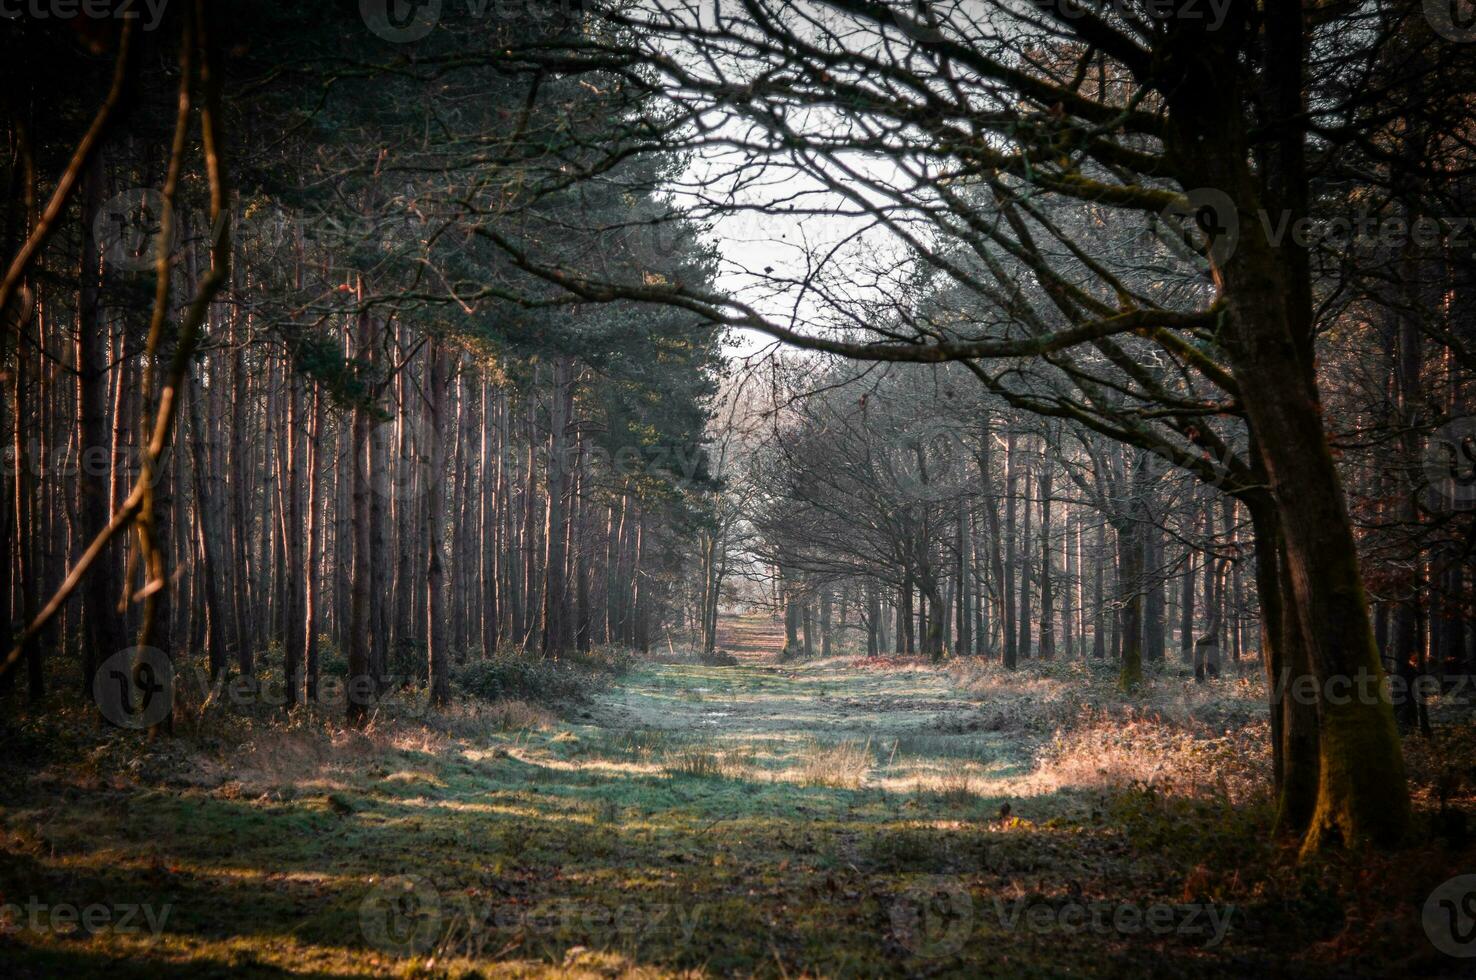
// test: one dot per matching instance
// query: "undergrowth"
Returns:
(546, 681)
(691, 820)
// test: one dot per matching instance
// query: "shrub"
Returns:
(692, 655)
(510, 676)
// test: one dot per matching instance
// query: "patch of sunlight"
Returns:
(594, 765)
(703, 760)
(838, 765)
(414, 776)
(114, 861)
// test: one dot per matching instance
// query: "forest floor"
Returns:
(843, 817)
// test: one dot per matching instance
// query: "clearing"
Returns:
(836, 818)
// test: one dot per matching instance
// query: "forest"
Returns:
(784, 488)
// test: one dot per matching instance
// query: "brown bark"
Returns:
(438, 664)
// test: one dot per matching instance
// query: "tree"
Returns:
(1056, 113)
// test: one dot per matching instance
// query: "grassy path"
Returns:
(765, 818)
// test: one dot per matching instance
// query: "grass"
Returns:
(843, 765)
(811, 820)
(703, 757)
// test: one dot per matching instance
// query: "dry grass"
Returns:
(703, 758)
(310, 753)
(514, 715)
(1104, 751)
(1045, 696)
(539, 840)
(693, 761)
(958, 789)
(1172, 736)
(838, 765)
(306, 759)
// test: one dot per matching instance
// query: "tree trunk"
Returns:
(873, 619)
(1008, 581)
(825, 622)
(1047, 597)
(360, 688)
(1186, 611)
(1130, 608)
(966, 594)
(1268, 331)
(438, 664)
(103, 631)
(557, 631)
(1022, 619)
(310, 614)
(1099, 594)
(294, 639)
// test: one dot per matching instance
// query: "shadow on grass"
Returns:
(528, 860)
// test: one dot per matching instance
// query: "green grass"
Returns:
(714, 820)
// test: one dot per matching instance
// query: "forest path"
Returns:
(753, 637)
(825, 818)
(786, 712)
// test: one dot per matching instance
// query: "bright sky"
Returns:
(766, 256)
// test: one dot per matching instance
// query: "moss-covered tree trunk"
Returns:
(1284, 658)
(1362, 794)
(1361, 789)
(1268, 334)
